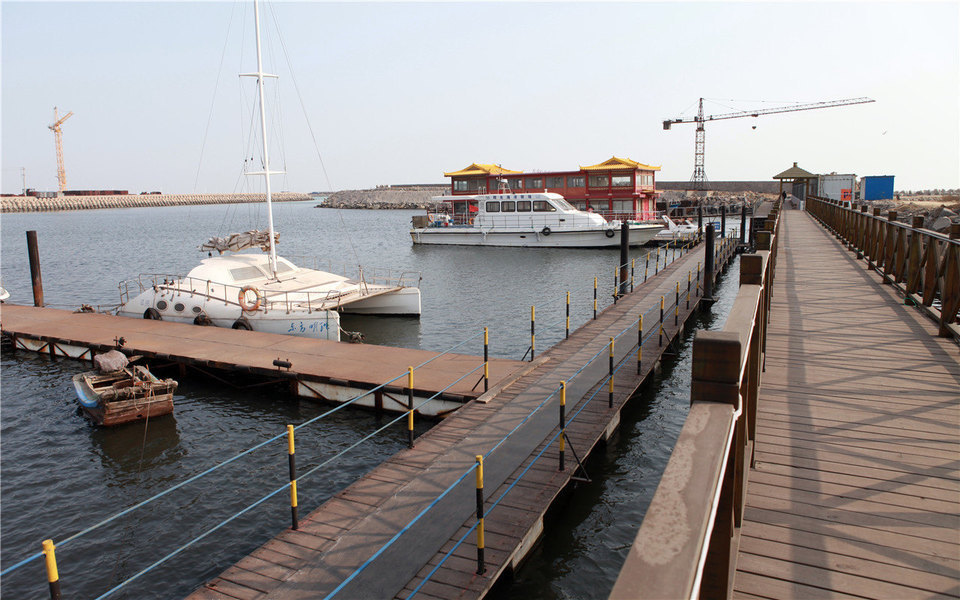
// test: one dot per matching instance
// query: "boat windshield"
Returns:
(563, 204)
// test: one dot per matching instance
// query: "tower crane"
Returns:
(58, 134)
(699, 175)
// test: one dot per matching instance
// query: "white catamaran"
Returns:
(261, 291)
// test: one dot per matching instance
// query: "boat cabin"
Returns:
(508, 209)
(618, 188)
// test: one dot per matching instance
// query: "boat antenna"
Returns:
(266, 172)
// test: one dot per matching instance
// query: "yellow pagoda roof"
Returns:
(619, 163)
(482, 169)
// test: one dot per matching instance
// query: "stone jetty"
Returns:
(14, 204)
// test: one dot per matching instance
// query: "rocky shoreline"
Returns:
(17, 204)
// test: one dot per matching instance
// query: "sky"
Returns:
(377, 93)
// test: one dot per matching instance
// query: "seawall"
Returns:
(14, 204)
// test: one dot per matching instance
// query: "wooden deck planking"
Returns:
(442, 454)
(856, 487)
(254, 351)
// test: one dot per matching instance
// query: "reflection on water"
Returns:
(61, 473)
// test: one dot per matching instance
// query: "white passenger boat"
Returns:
(684, 231)
(544, 220)
(261, 291)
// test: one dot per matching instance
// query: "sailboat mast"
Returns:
(263, 137)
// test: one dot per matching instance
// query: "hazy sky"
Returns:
(401, 92)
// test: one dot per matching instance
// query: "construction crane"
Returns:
(699, 174)
(58, 133)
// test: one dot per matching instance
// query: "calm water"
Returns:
(60, 474)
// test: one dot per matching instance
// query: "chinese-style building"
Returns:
(616, 188)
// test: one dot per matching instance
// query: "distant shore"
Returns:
(18, 204)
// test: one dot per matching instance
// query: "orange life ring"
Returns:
(242, 299)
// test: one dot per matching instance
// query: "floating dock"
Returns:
(320, 369)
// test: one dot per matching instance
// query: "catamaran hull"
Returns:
(318, 324)
(531, 238)
(403, 302)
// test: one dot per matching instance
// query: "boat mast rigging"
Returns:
(266, 172)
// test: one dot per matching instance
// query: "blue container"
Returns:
(876, 187)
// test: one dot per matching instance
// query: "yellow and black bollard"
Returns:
(292, 463)
(610, 392)
(689, 277)
(698, 279)
(594, 298)
(633, 265)
(533, 332)
(616, 284)
(568, 316)
(480, 544)
(639, 343)
(656, 266)
(410, 407)
(486, 359)
(563, 423)
(53, 577)
(646, 267)
(660, 342)
(676, 306)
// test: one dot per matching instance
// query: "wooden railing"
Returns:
(922, 264)
(687, 543)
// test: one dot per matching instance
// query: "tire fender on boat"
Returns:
(242, 323)
(202, 319)
(152, 314)
(609, 233)
(545, 231)
(242, 299)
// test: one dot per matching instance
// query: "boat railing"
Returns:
(364, 274)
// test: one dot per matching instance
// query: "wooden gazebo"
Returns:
(802, 182)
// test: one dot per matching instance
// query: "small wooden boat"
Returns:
(124, 395)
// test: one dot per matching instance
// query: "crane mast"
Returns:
(58, 134)
(699, 177)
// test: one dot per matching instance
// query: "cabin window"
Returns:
(554, 182)
(575, 181)
(535, 184)
(523, 206)
(543, 206)
(244, 273)
(599, 180)
(622, 180)
(466, 185)
(563, 204)
(508, 206)
(515, 184)
(493, 207)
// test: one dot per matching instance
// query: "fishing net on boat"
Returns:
(235, 242)
(110, 361)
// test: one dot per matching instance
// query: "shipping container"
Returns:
(836, 186)
(876, 187)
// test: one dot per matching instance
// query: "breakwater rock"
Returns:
(13, 204)
(386, 197)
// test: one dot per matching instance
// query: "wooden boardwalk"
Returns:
(355, 526)
(856, 485)
(64, 333)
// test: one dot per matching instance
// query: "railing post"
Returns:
(563, 423)
(33, 253)
(676, 306)
(689, 277)
(743, 223)
(632, 266)
(616, 285)
(708, 266)
(610, 391)
(533, 332)
(53, 577)
(594, 298)
(486, 352)
(567, 335)
(292, 467)
(410, 407)
(950, 294)
(480, 541)
(660, 343)
(639, 343)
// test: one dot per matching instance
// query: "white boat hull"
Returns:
(640, 234)
(403, 302)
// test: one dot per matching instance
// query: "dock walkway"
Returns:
(856, 485)
(344, 548)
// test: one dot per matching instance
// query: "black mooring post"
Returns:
(700, 218)
(708, 265)
(624, 256)
(34, 255)
(723, 220)
(743, 223)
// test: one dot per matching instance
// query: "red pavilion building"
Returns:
(618, 188)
